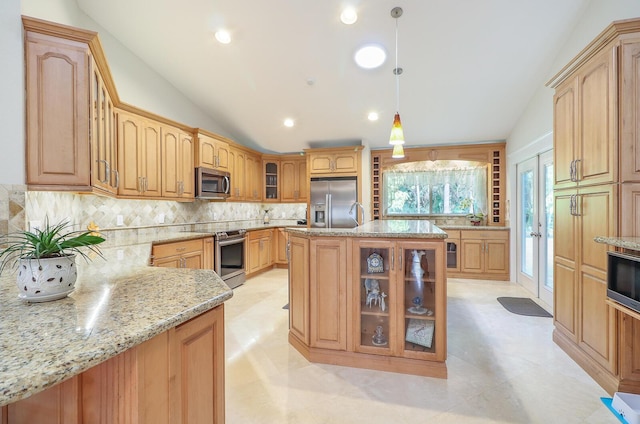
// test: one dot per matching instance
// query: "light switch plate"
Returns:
(119, 220)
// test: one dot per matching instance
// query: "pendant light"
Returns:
(396, 139)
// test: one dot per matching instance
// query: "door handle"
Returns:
(392, 258)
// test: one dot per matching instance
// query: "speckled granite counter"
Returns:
(473, 227)
(632, 243)
(396, 228)
(118, 303)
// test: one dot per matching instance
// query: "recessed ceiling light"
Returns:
(288, 122)
(370, 56)
(223, 36)
(373, 116)
(349, 16)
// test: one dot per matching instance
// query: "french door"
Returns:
(535, 226)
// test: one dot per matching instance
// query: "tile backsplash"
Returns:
(18, 207)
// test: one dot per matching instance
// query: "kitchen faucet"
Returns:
(359, 206)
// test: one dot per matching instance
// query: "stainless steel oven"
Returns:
(229, 260)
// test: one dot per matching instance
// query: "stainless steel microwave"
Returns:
(212, 183)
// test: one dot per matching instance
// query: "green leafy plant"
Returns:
(475, 217)
(48, 242)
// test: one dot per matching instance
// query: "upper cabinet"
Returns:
(139, 156)
(58, 105)
(294, 185)
(630, 110)
(271, 168)
(212, 151)
(237, 165)
(177, 164)
(253, 181)
(334, 161)
(584, 125)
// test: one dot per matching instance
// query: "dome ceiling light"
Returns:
(370, 56)
(349, 16)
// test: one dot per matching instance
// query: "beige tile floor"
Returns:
(503, 368)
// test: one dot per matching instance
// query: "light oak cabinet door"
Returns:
(585, 143)
(282, 240)
(334, 162)
(485, 253)
(299, 288)
(177, 164)
(181, 254)
(197, 369)
(271, 173)
(630, 112)
(57, 102)
(212, 152)
(294, 186)
(104, 174)
(328, 293)
(565, 287)
(253, 181)
(259, 247)
(60, 404)
(139, 156)
(238, 175)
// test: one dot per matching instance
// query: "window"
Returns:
(439, 187)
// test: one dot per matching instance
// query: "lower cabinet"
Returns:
(281, 239)
(193, 254)
(480, 254)
(259, 249)
(299, 291)
(176, 377)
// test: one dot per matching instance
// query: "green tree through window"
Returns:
(439, 187)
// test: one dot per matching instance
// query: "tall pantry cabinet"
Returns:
(596, 167)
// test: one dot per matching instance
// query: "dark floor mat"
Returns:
(523, 306)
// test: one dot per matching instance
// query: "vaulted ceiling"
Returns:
(470, 66)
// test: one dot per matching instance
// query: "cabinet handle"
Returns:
(288, 249)
(399, 258)
(575, 170)
(140, 188)
(146, 184)
(572, 170)
(576, 206)
(392, 258)
(180, 249)
(117, 178)
(106, 170)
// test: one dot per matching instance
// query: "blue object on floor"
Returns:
(607, 403)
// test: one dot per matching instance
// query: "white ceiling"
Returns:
(470, 66)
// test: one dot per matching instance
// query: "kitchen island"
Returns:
(372, 297)
(132, 343)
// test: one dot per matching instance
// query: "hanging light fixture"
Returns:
(396, 139)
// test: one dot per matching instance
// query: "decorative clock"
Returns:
(375, 263)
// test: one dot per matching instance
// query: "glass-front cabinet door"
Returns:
(400, 299)
(421, 292)
(374, 297)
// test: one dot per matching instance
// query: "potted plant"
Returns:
(45, 259)
(476, 218)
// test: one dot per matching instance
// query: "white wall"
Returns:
(12, 121)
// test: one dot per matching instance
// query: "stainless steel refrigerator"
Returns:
(332, 200)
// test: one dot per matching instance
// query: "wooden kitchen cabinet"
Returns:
(174, 377)
(253, 181)
(58, 106)
(395, 308)
(294, 184)
(582, 114)
(299, 292)
(183, 254)
(259, 247)
(328, 293)
(341, 161)
(104, 164)
(197, 370)
(177, 164)
(281, 238)
(237, 169)
(212, 151)
(139, 156)
(271, 173)
(484, 254)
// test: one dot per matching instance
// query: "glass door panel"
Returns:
(419, 299)
(375, 295)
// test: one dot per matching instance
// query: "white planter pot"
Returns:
(42, 280)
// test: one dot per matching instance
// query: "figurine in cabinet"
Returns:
(416, 269)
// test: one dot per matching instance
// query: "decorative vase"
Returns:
(42, 280)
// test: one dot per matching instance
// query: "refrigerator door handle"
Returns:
(329, 212)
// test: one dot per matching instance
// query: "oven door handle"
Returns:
(230, 240)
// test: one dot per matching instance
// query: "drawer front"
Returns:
(177, 248)
(453, 234)
(258, 234)
(484, 234)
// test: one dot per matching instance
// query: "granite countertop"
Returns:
(473, 227)
(632, 243)
(119, 302)
(388, 228)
